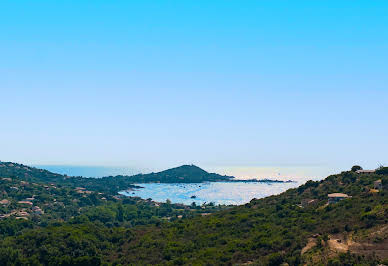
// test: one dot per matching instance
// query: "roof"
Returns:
(25, 202)
(364, 171)
(378, 181)
(4, 201)
(337, 195)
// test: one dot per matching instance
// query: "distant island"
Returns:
(189, 174)
(181, 174)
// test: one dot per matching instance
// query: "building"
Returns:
(25, 202)
(22, 213)
(335, 197)
(37, 210)
(4, 202)
(378, 184)
(365, 171)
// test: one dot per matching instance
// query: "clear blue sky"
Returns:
(215, 83)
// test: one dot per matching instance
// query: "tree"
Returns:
(356, 168)
(120, 213)
(382, 170)
(275, 259)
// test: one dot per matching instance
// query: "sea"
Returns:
(224, 193)
(219, 193)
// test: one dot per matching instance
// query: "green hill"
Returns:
(27, 173)
(275, 229)
(297, 227)
(181, 174)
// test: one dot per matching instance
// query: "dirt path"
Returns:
(365, 246)
(312, 242)
(338, 245)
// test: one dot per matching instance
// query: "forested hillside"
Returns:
(274, 230)
(294, 228)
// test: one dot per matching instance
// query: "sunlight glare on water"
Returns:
(227, 193)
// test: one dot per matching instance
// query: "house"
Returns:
(25, 202)
(378, 184)
(22, 213)
(335, 197)
(37, 210)
(365, 171)
(82, 190)
(4, 202)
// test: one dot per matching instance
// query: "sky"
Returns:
(232, 86)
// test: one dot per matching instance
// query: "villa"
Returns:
(4, 202)
(365, 171)
(25, 202)
(335, 197)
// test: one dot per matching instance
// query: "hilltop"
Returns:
(181, 174)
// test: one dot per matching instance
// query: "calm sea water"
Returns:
(218, 192)
(227, 193)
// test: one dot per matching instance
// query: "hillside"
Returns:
(296, 227)
(181, 174)
(27, 173)
(110, 184)
(274, 230)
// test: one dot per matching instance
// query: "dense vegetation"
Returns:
(268, 231)
(35, 205)
(182, 174)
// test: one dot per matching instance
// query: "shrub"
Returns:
(356, 168)
(382, 171)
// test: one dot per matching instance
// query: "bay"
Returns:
(227, 193)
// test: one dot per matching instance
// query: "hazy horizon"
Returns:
(296, 173)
